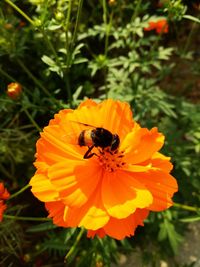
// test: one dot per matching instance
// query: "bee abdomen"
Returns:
(81, 139)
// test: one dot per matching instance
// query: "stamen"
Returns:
(111, 160)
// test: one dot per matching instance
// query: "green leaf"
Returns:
(47, 60)
(190, 219)
(162, 235)
(173, 237)
(191, 18)
(41, 227)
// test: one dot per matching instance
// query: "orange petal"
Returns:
(55, 139)
(56, 211)
(122, 194)
(4, 194)
(141, 144)
(91, 216)
(75, 180)
(104, 115)
(2, 209)
(100, 232)
(59, 116)
(162, 187)
(121, 228)
(88, 103)
(43, 189)
(159, 161)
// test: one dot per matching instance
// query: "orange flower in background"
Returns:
(14, 90)
(111, 188)
(160, 26)
(4, 195)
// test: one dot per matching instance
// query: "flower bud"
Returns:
(14, 90)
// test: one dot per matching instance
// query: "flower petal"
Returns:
(104, 115)
(42, 188)
(56, 142)
(121, 228)
(75, 180)
(141, 144)
(56, 211)
(162, 187)
(122, 194)
(92, 215)
(99, 232)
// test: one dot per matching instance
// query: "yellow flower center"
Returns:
(111, 160)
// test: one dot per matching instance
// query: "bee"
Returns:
(97, 137)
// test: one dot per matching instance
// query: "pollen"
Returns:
(111, 160)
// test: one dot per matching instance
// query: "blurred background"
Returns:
(53, 54)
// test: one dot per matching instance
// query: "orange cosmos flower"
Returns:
(4, 195)
(112, 191)
(161, 26)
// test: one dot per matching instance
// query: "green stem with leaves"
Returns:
(19, 192)
(80, 5)
(21, 218)
(186, 207)
(31, 119)
(36, 81)
(136, 9)
(72, 249)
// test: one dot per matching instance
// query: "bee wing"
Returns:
(76, 128)
(84, 125)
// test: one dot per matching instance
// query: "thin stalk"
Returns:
(21, 218)
(20, 11)
(5, 172)
(189, 39)
(67, 84)
(68, 52)
(186, 207)
(135, 13)
(51, 47)
(22, 65)
(108, 28)
(104, 12)
(107, 31)
(32, 120)
(19, 192)
(78, 238)
(7, 75)
(105, 20)
(80, 4)
(67, 22)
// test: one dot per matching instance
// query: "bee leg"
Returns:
(88, 153)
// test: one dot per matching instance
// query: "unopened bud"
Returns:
(14, 90)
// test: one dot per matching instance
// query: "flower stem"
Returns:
(107, 26)
(70, 252)
(186, 207)
(136, 10)
(20, 218)
(31, 119)
(67, 23)
(23, 66)
(80, 4)
(189, 39)
(68, 48)
(19, 192)
(7, 75)
(20, 11)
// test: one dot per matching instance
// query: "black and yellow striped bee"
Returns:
(97, 137)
